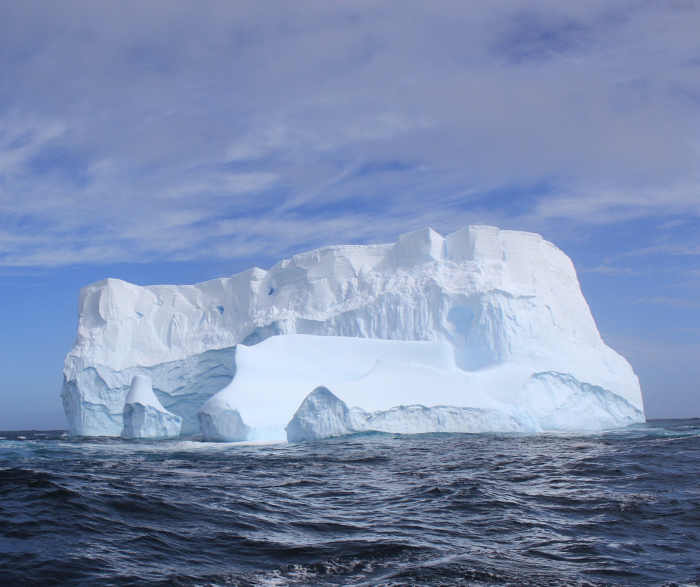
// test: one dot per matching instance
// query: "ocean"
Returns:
(616, 508)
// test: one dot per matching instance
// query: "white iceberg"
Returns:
(358, 385)
(144, 416)
(507, 303)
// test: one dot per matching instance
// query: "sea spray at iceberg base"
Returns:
(484, 330)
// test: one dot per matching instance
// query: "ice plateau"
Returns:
(482, 330)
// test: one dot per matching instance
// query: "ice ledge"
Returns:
(323, 415)
(397, 387)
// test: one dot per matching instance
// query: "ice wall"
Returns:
(507, 302)
(94, 399)
(405, 398)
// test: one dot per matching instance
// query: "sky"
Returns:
(178, 141)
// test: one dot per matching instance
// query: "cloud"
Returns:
(665, 355)
(610, 270)
(682, 249)
(671, 302)
(135, 131)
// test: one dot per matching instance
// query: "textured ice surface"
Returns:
(560, 402)
(94, 400)
(144, 416)
(508, 303)
(323, 415)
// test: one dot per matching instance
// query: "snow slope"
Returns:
(273, 378)
(508, 303)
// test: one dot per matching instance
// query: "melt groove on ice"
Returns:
(484, 330)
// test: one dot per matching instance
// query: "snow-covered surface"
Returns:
(144, 416)
(405, 398)
(273, 378)
(507, 303)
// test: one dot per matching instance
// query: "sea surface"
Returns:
(620, 508)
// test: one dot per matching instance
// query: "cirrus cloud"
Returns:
(178, 130)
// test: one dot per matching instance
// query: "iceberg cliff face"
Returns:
(95, 397)
(560, 402)
(507, 303)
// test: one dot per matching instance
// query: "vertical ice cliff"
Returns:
(95, 397)
(507, 303)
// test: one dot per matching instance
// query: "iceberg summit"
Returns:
(484, 330)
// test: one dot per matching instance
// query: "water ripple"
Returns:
(621, 508)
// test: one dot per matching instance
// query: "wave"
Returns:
(615, 508)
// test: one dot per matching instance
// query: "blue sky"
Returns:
(170, 141)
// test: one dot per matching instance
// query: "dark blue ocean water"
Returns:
(621, 508)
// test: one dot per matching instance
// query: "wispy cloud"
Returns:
(672, 302)
(667, 356)
(673, 249)
(175, 130)
(610, 270)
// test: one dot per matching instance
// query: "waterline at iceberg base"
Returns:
(484, 330)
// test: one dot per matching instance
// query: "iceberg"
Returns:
(144, 416)
(504, 306)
